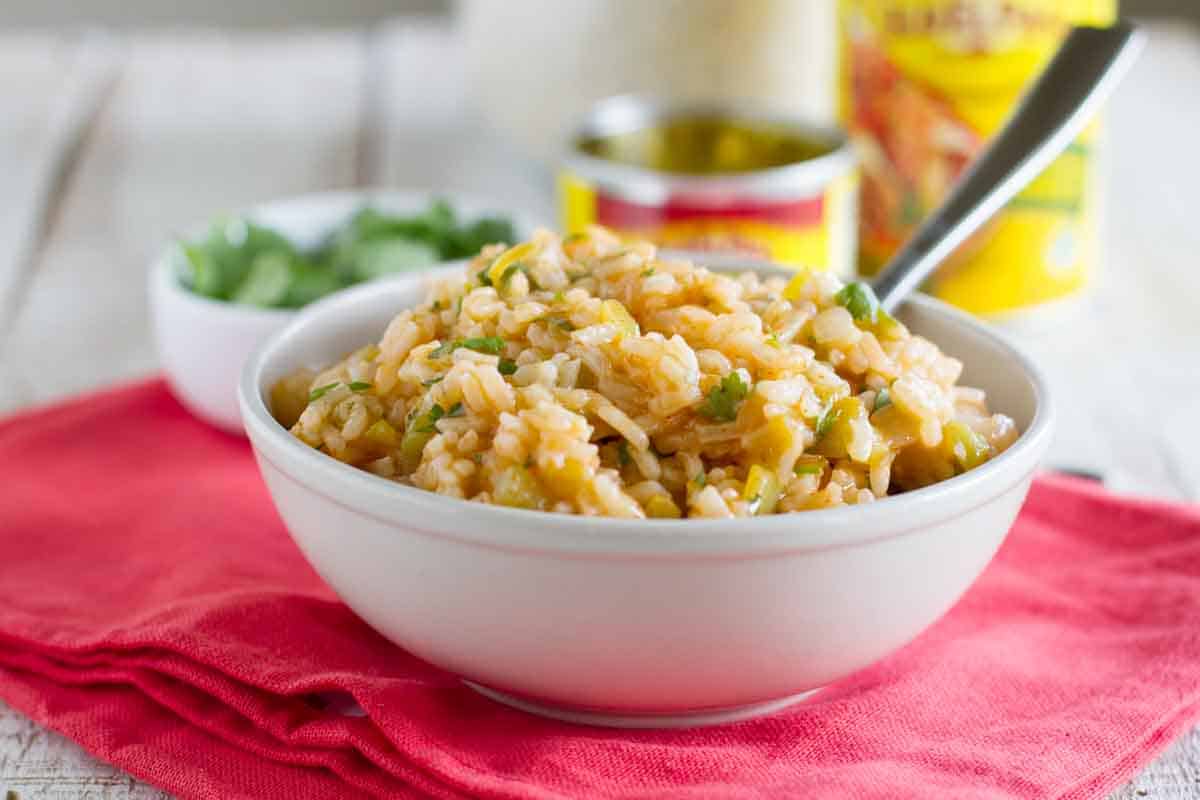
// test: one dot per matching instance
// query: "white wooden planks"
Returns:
(199, 124)
(432, 137)
(204, 122)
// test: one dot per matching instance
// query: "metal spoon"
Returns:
(1086, 68)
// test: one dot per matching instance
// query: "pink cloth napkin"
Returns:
(153, 609)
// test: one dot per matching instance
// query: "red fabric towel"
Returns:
(153, 608)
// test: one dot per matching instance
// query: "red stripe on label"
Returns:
(618, 213)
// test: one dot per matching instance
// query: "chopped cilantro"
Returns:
(859, 299)
(723, 400)
(428, 423)
(442, 350)
(360, 386)
(456, 410)
(484, 280)
(506, 366)
(512, 269)
(321, 391)
(827, 419)
(491, 345)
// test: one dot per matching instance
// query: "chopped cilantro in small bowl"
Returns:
(244, 261)
(217, 294)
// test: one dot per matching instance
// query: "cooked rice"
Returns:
(590, 376)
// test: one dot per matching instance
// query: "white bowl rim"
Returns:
(162, 268)
(495, 526)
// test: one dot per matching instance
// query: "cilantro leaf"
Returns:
(859, 299)
(428, 423)
(492, 345)
(321, 391)
(723, 400)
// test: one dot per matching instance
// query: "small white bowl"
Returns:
(203, 343)
(640, 622)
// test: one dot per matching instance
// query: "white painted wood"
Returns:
(206, 122)
(37, 764)
(33, 70)
(199, 125)
(432, 135)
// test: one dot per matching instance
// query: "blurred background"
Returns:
(127, 123)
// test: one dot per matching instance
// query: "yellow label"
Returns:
(923, 84)
(817, 231)
(576, 201)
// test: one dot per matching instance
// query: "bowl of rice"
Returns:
(615, 486)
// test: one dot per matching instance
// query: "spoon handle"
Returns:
(1082, 73)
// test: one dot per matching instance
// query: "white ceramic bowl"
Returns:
(654, 622)
(203, 343)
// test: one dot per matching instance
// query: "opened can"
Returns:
(713, 179)
(924, 85)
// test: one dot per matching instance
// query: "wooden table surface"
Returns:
(203, 122)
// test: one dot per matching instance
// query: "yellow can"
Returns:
(924, 83)
(714, 179)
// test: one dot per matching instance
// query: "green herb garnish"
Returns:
(428, 423)
(360, 386)
(859, 299)
(511, 270)
(432, 381)
(492, 345)
(701, 479)
(243, 262)
(483, 278)
(723, 400)
(456, 410)
(647, 272)
(883, 398)
(623, 457)
(506, 366)
(562, 323)
(826, 421)
(321, 391)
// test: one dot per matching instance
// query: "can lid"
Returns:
(624, 114)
